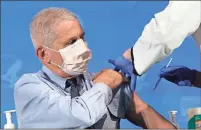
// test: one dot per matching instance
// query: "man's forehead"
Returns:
(68, 27)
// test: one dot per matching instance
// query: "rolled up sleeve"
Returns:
(165, 32)
(38, 106)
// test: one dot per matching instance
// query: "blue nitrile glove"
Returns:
(126, 67)
(180, 75)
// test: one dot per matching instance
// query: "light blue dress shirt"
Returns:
(41, 102)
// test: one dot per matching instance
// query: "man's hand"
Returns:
(110, 77)
(180, 75)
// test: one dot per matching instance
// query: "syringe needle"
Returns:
(158, 81)
(169, 62)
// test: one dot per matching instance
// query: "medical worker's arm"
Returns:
(197, 37)
(145, 116)
(38, 106)
(164, 33)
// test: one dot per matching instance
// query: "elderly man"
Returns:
(63, 94)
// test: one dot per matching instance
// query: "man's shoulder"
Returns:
(28, 78)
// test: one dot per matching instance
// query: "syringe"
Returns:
(158, 81)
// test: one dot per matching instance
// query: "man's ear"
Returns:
(42, 54)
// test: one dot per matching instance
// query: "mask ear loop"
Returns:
(60, 66)
(50, 48)
(51, 62)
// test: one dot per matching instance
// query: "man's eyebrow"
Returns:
(74, 37)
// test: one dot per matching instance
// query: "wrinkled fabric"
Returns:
(41, 102)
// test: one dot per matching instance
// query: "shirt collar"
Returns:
(55, 78)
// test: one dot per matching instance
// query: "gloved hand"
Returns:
(180, 75)
(126, 67)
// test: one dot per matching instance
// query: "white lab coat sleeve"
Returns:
(164, 33)
(197, 37)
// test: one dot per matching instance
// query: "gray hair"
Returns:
(43, 24)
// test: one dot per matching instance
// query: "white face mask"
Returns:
(75, 58)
